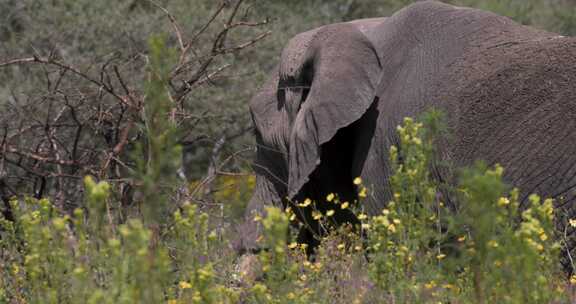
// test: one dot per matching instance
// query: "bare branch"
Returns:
(40, 158)
(50, 61)
(17, 61)
(175, 25)
(124, 86)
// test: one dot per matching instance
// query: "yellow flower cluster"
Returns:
(315, 267)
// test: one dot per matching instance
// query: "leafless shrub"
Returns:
(87, 118)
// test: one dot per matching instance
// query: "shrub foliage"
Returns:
(417, 250)
(95, 122)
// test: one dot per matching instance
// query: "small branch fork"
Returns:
(89, 117)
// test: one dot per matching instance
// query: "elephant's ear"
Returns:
(339, 73)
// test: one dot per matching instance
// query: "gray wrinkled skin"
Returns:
(329, 111)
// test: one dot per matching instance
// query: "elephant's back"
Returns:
(430, 51)
(508, 91)
(515, 104)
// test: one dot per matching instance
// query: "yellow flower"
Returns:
(573, 279)
(462, 238)
(543, 237)
(362, 216)
(344, 205)
(330, 213)
(357, 181)
(365, 226)
(78, 270)
(572, 222)
(279, 249)
(358, 248)
(15, 269)
(341, 246)
(503, 201)
(430, 285)
(306, 203)
(330, 197)
(492, 243)
(257, 218)
(539, 247)
(291, 296)
(293, 245)
(392, 228)
(440, 256)
(362, 193)
(396, 221)
(385, 211)
(316, 215)
(292, 217)
(184, 285)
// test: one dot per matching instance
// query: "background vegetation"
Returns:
(151, 98)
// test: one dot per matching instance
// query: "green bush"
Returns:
(420, 249)
(417, 251)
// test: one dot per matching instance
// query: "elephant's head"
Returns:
(325, 83)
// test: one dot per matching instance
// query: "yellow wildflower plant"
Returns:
(503, 201)
(363, 192)
(330, 197)
(184, 285)
(316, 215)
(307, 202)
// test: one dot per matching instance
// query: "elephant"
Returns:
(329, 110)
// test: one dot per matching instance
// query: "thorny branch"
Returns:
(98, 112)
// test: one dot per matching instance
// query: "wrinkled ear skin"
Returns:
(344, 70)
